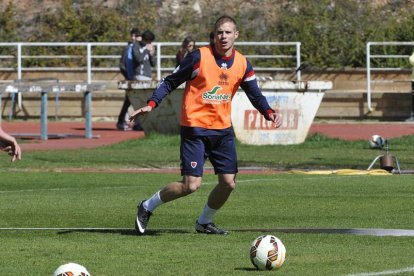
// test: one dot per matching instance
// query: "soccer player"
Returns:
(9, 145)
(212, 76)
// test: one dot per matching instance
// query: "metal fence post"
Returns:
(43, 116)
(411, 59)
(88, 95)
(88, 114)
(158, 61)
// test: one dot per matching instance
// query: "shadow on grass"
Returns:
(162, 231)
(127, 232)
(247, 269)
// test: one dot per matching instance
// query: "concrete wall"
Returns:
(347, 100)
(390, 95)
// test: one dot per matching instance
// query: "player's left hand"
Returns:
(276, 118)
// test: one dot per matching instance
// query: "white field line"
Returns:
(204, 183)
(64, 189)
(386, 272)
(348, 231)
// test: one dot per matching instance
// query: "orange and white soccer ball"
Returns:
(267, 252)
(71, 269)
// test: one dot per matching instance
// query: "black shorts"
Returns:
(220, 150)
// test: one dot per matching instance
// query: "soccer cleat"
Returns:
(143, 216)
(209, 228)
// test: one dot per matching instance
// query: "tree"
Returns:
(333, 33)
(9, 24)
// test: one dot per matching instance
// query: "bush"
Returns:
(333, 33)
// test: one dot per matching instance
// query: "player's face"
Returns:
(226, 35)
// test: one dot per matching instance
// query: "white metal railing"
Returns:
(20, 51)
(370, 57)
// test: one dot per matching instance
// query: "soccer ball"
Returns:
(71, 269)
(376, 142)
(267, 252)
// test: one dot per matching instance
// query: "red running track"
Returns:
(107, 133)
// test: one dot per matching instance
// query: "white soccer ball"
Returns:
(267, 252)
(71, 269)
(376, 142)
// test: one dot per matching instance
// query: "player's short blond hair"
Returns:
(224, 19)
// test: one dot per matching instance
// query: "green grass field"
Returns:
(161, 151)
(94, 212)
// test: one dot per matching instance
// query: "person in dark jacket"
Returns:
(144, 55)
(129, 69)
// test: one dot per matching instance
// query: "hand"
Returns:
(139, 112)
(12, 149)
(150, 48)
(276, 118)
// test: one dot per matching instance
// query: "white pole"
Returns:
(158, 61)
(19, 73)
(89, 63)
(369, 77)
(298, 60)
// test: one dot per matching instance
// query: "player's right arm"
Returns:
(186, 71)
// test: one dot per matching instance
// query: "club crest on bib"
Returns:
(224, 79)
(193, 164)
